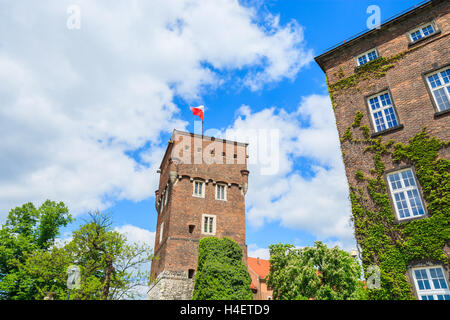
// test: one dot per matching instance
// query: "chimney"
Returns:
(257, 260)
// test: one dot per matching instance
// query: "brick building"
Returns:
(387, 85)
(202, 187)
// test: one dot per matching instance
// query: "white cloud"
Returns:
(137, 235)
(317, 204)
(74, 102)
(256, 252)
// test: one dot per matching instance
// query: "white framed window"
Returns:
(421, 32)
(430, 283)
(221, 192)
(166, 195)
(405, 194)
(209, 224)
(382, 111)
(366, 57)
(161, 230)
(164, 198)
(198, 189)
(439, 83)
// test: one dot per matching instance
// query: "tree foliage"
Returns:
(32, 265)
(27, 229)
(313, 273)
(221, 273)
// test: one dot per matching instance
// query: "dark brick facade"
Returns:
(182, 215)
(405, 81)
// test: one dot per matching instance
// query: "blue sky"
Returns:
(87, 112)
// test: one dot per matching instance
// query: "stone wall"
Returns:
(171, 285)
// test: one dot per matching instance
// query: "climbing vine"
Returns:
(391, 245)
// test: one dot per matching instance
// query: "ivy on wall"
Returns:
(376, 68)
(391, 245)
(385, 242)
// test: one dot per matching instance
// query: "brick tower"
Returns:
(202, 187)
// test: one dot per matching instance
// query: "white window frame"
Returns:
(420, 29)
(161, 230)
(433, 291)
(382, 109)
(202, 195)
(404, 189)
(163, 200)
(366, 54)
(443, 85)
(224, 191)
(214, 221)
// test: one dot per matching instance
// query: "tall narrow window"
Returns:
(382, 111)
(221, 192)
(166, 196)
(199, 187)
(209, 224)
(430, 283)
(366, 57)
(161, 230)
(405, 193)
(439, 83)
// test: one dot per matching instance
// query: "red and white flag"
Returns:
(198, 111)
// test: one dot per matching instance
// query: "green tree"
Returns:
(27, 229)
(314, 273)
(221, 273)
(110, 266)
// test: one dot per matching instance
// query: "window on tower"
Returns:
(221, 192)
(199, 189)
(209, 224)
(161, 230)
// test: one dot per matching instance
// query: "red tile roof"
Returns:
(260, 266)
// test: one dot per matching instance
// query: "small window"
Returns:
(366, 57)
(199, 189)
(405, 193)
(191, 273)
(209, 224)
(161, 230)
(166, 196)
(382, 111)
(421, 32)
(439, 83)
(221, 192)
(430, 283)
(191, 228)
